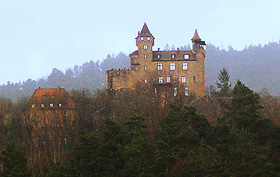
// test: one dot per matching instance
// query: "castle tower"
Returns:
(145, 42)
(199, 51)
(195, 42)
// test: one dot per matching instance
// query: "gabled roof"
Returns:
(195, 36)
(145, 32)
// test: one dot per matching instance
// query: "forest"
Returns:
(261, 63)
(233, 131)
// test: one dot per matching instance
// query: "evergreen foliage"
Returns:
(223, 84)
(248, 65)
(241, 143)
(14, 162)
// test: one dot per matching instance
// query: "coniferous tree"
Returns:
(14, 161)
(182, 132)
(138, 153)
(223, 84)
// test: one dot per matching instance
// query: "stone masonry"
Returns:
(185, 67)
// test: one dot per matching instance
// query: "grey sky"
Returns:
(38, 35)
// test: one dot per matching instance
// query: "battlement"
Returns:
(185, 67)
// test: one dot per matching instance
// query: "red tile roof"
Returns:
(52, 95)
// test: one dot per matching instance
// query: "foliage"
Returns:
(14, 162)
(242, 65)
(223, 84)
(120, 137)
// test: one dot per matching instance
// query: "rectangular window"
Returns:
(159, 66)
(146, 81)
(172, 56)
(33, 105)
(51, 105)
(158, 56)
(168, 79)
(59, 105)
(145, 67)
(186, 56)
(172, 66)
(186, 91)
(160, 80)
(145, 47)
(185, 66)
(194, 79)
(145, 56)
(136, 68)
(42, 105)
(183, 79)
(175, 91)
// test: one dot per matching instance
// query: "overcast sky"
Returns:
(38, 35)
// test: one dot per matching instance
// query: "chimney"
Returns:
(177, 49)
(158, 49)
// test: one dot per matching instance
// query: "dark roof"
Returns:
(134, 53)
(196, 36)
(145, 32)
(179, 55)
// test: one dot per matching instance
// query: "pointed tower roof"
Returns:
(195, 36)
(145, 32)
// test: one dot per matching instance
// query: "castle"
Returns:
(185, 67)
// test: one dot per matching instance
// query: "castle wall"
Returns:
(144, 66)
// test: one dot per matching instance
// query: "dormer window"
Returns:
(44, 96)
(186, 56)
(158, 56)
(172, 56)
(53, 96)
(148, 38)
(51, 105)
(33, 105)
(42, 105)
(59, 105)
(142, 38)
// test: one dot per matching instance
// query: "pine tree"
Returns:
(223, 84)
(242, 111)
(182, 131)
(14, 162)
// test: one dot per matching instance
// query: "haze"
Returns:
(37, 35)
